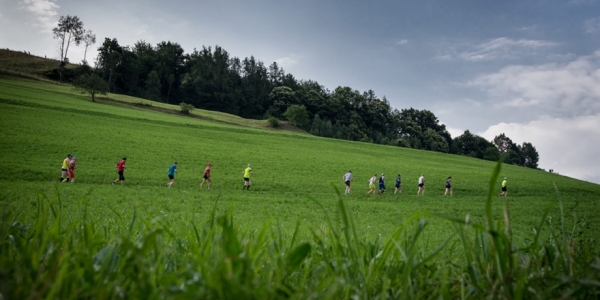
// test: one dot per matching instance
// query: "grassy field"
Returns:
(293, 196)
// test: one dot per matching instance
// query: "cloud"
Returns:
(565, 145)
(557, 89)
(286, 62)
(592, 25)
(402, 42)
(502, 47)
(44, 11)
(528, 29)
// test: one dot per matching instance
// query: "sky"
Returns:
(529, 69)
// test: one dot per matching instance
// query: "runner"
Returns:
(65, 168)
(398, 185)
(207, 176)
(72, 168)
(347, 177)
(382, 184)
(504, 188)
(247, 172)
(172, 170)
(372, 184)
(448, 186)
(121, 169)
(421, 185)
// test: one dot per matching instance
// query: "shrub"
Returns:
(274, 122)
(186, 108)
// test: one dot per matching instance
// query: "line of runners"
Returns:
(69, 165)
(398, 185)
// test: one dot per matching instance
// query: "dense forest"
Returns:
(210, 78)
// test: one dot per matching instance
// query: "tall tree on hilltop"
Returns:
(502, 143)
(529, 155)
(170, 61)
(69, 29)
(109, 57)
(89, 38)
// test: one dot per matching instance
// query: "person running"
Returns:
(504, 188)
(207, 176)
(172, 170)
(72, 166)
(372, 184)
(448, 186)
(382, 184)
(347, 177)
(398, 185)
(121, 169)
(247, 172)
(421, 185)
(64, 176)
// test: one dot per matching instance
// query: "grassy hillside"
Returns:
(293, 188)
(47, 121)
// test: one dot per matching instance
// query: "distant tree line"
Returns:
(210, 78)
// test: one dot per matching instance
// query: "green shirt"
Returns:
(504, 183)
(247, 172)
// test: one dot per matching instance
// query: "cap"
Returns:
(69, 155)
(249, 165)
(382, 174)
(74, 157)
(504, 178)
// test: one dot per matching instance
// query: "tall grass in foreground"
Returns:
(54, 259)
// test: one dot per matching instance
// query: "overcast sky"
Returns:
(529, 69)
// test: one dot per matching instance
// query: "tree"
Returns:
(434, 142)
(297, 115)
(89, 38)
(529, 155)
(109, 57)
(91, 84)
(491, 153)
(502, 143)
(69, 29)
(153, 86)
(473, 145)
(280, 99)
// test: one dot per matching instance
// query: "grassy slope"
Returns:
(42, 122)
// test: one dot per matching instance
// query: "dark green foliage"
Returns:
(273, 122)
(91, 84)
(153, 86)
(491, 153)
(529, 155)
(297, 115)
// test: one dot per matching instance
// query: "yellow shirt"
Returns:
(65, 164)
(504, 183)
(247, 172)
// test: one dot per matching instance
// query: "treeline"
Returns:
(210, 78)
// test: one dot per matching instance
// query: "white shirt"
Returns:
(421, 179)
(347, 176)
(372, 181)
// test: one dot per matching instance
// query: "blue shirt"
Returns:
(172, 170)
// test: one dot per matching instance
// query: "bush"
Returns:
(274, 122)
(186, 108)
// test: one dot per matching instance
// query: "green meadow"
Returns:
(293, 220)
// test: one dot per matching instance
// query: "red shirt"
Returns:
(207, 171)
(121, 166)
